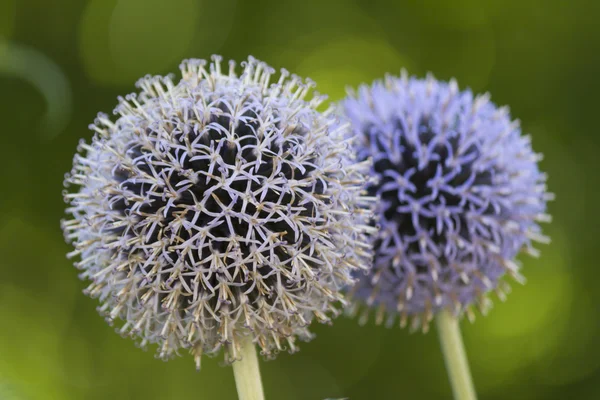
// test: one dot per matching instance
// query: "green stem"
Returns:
(247, 373)
(455, 357)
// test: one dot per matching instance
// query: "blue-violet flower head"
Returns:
(460, 194)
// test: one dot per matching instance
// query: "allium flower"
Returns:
(216, 208)
(461, 195)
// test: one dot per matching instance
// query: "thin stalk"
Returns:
(455, 357)
(247, 373)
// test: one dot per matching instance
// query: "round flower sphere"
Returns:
(216, 208)
(461, 195)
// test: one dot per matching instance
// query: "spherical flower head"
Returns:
(216, 208)
(460, 196)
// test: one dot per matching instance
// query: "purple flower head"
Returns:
(461, 195)
(218, 207)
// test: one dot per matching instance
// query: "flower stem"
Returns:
(455, 356)
(247, 373)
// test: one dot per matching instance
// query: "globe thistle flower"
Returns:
(217, 208)
(461, 195)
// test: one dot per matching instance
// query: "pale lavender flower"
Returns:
(218, 207)
(461, 196)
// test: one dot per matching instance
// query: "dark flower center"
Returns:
(274, 163)
(420, 199)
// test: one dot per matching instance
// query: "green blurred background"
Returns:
(62, 61)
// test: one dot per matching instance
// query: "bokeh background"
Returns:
(62, 61)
